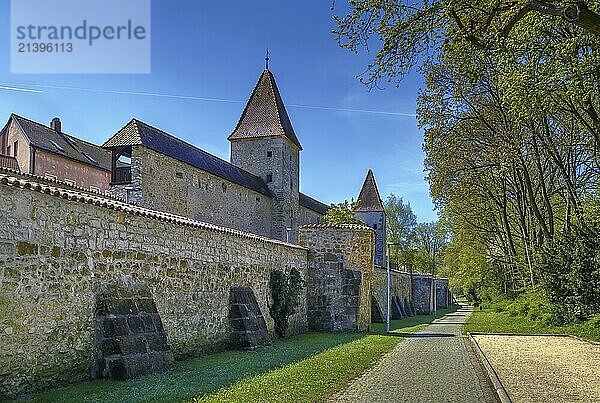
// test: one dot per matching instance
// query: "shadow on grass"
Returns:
(206, 374)
(198, 376)
(421, 335)
(418, 321)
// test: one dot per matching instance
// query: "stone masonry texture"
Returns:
(336, 250)
(400, 290)
(376, 220)
(280, 159)
(247, 326)
(130, 335)
(55, 254)
(163, 183)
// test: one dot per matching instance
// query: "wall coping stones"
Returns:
(392, 270)
(114, 204)
(44, 179)
(337, 226)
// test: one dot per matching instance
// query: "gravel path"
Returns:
(544, 368)
(434, 365)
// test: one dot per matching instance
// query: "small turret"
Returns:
(371, 211)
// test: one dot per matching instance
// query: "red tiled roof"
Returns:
(369, 199)
(265, 114)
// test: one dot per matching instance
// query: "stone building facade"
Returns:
(34, 148)
(257, 191)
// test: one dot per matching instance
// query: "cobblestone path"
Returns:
(434, 365)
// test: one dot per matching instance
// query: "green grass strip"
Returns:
(317, 377)
(486, 321)
(341, 356)
(312, 378)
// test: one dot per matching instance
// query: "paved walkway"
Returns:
(434, 365)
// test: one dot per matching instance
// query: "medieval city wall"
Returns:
(339, 275)
(400, 286)
(163, 183)
(421, 291)
(58, 248)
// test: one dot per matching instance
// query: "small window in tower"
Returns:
(179, 174)
(269, 178)
(269, 153)
(375, 226)
(224, 187)
(15, 148)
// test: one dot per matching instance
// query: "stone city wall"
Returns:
(400, 287)
(58, 248)
(421, 291)
(308, 216)
(340, 271)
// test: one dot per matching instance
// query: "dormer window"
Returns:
(90, 158)
(57, 146)
(269, 154)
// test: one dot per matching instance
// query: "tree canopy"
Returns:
(510, 113)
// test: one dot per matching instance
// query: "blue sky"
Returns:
(205, 49)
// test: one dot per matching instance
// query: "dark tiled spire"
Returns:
(265, 114)
(369, 199)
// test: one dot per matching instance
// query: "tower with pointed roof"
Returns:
(370, 210)
(265, 144)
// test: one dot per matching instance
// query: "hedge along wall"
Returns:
(342, 247)
(57, 247)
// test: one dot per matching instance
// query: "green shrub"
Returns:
(285, 290)
(493, 299)
(571, 274)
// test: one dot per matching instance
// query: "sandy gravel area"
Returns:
(549, 369)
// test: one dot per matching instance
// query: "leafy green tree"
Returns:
(343, 213)
(571, 274)
(430, 240)
(511, 119)
(408, 30)
(400, 226)
(285, 291)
